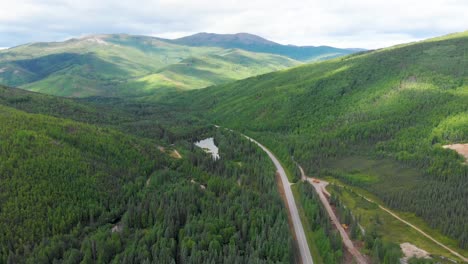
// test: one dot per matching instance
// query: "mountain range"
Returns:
(255, 43)
(384, 116)
(126, 65)
(112, 175)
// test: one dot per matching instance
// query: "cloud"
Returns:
(342, 23)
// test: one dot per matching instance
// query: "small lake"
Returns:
(209, 146)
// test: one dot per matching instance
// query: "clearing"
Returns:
(462, 149)
(410, 251)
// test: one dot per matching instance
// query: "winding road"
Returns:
(306, 257)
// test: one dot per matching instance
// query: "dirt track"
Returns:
(324, 184)
(419, 230)
(320, 189)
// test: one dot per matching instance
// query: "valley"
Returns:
(328, 114)
(95, 176)
(109, 152)
(126, 65)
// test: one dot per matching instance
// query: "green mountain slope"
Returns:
(113, 65)
(254, 43)
(58, 173)
(205, 70)
(78, 193)
(384, 114)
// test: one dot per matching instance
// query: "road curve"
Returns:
(304, 251)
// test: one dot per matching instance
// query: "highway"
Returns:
(306, 257)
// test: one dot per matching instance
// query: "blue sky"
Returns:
(341, 23)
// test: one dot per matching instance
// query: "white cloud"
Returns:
(342, 23)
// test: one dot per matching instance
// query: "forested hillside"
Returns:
(377, 119)
(58, 174)
(156, 121)
(75, 192)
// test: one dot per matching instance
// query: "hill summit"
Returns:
(256, 43)
(226, 40)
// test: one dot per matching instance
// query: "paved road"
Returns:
(304, 251)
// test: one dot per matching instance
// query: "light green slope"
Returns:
(113, 65)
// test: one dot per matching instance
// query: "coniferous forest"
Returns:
(81, 193)
(115, 177)
(385, 114)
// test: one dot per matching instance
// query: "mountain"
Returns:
(124, 65)
(225, 40)
(377, 121)
(114, 180)
(255, 43)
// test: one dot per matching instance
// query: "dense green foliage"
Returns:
(123, 65)
(398, 105)
(155, 121)
(325, 236)
(376, 120)
(379, 250)
(347, 218)
(57, 173)
(66, 184)
(225, 211)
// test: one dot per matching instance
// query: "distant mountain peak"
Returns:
(213, 38)
(254, 43)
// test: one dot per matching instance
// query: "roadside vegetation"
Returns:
(325, 241)
(370, 217)
(93, 180)
(106, 189)
(394, 107)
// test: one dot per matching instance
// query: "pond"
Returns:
(209, 146)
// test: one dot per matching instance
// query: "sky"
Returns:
(341, 23)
